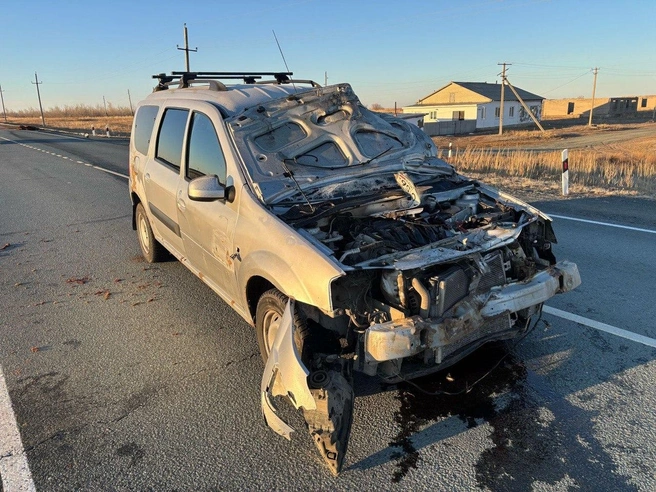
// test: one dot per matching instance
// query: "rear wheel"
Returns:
(270, 309)
(152, 250)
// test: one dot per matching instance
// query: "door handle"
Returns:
(147, 177)
(181, 205)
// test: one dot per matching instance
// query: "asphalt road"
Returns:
(129, 376)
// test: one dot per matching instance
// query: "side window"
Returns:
(204, 154)
(143, 127)
(171, 136)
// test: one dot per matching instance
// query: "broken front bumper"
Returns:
(284, 375)
(479, 318)
(325, 395)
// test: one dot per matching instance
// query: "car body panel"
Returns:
(397, 265)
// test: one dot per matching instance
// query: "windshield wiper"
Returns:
(333, 168)
(364, 163)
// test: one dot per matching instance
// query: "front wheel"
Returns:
(151, 249)
(270, 309)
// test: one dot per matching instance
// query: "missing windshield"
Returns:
(279, 137)
(373, 143)
(327, 155)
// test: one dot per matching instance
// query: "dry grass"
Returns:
(77, 118)
(627, 165)
(624, 169)
(117, 124)
(79, 110)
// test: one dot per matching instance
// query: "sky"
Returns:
(390, 51)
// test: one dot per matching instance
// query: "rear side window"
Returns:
(143, 127)
(171, 136)
(204, 150)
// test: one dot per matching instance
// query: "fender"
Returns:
(281, 270)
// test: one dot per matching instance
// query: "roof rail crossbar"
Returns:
(291, 81)
(184, 78)
(247, 77)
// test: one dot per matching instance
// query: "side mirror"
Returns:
(206, 189)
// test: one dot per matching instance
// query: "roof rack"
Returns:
(184, 79)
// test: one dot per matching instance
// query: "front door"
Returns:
(207, 227)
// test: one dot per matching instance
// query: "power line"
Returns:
(567, 83)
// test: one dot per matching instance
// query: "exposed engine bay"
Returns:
(426, 261)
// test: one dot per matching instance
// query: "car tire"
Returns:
(151, 249)
(270, 309)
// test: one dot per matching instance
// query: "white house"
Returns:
(479, 102)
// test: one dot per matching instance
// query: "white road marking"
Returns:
(64, 157)
(629, 335)
(602, 223)
(14, 470)
(110, 172)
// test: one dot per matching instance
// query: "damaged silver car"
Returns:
(336, 232)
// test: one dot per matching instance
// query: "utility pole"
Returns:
(594, 88)
(186, 48)
(130, 100)
(526, 108)
(38, 93)
(503, 85)
(325, 79)
(3, 104)
(105, 104)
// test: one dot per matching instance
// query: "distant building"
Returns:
(462, 107)
(416, 119)
(603, 107)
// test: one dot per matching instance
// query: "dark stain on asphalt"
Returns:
(137, 400)
(420, 407)
(48, 384)
(75, 344)
(45, 410)
(538, 435)
(131, 450)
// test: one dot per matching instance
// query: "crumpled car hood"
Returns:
(324, 136)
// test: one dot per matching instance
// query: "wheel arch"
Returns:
(135, 201)
(255, 287)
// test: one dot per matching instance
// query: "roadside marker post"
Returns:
(565, 179)
(450, 153)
